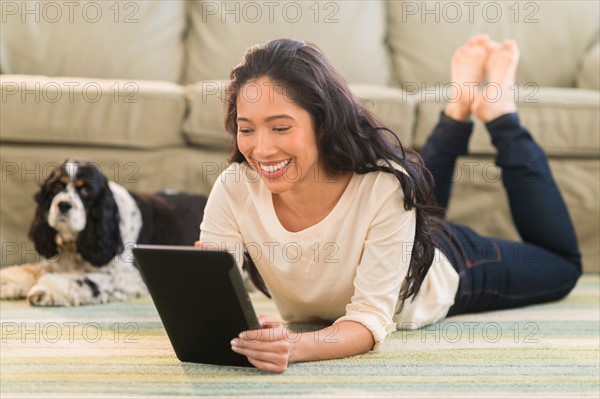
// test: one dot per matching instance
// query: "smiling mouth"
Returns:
(274, 168)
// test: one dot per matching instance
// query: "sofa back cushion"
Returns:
(589, 74)
(553, 37)
(564, 121)
(97, 39)
(351, 33)
(98, 112)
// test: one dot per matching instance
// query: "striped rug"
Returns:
(121, 350)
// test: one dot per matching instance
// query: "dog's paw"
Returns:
(16, 281)
(52, 290)
(10, 290)
(41, 296)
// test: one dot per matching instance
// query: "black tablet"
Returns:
(201, 299)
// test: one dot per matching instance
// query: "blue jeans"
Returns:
(495, 273)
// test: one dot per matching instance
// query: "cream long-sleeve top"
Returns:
(349, 266)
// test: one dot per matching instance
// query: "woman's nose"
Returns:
(264, 145)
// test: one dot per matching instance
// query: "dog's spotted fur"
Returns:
(85, 228)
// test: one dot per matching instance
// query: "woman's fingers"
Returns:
(198, 244)
(270, 356)
(267, 366)
(266, 349)
(272, 353)
(268, 321)
(276, 332)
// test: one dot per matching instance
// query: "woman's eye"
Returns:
(281, 129)
(244, 130)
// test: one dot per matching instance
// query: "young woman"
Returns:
(340, 223)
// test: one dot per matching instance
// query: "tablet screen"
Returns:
(201, 300)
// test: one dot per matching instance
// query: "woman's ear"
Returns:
(101, 240)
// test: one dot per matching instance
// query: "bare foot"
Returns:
(467, 71)
(497, 97)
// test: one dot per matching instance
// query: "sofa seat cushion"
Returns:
(565, 122)
(204, 123)
(65, 110)
(95, 39)
(552, 35)
(351, 33)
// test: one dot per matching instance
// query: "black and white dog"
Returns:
(85, 227)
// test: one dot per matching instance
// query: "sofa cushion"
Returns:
(351, 33)
(396, 109)
(40, 109)
(98, 39)
(552, 35)
(565, 122)
(589, 75)
(204, 123)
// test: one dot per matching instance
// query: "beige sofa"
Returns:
(137, 87)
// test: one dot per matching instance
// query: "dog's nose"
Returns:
(64, 206)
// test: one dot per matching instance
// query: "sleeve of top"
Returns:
(383, 266)
(219, 229)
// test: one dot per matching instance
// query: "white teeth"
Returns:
(276, 167)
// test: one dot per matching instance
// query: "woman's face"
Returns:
(277, 137)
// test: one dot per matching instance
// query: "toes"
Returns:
(511, 46)
(476, 48)
(460, 50)
(459, 55)
(478, 40)
(504, 57)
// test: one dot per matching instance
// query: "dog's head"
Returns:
(75, 205)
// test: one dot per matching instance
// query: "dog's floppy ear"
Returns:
(100, 240)
(40, 232)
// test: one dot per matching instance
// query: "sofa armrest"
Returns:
(589, 74)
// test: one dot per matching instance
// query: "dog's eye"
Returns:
(83, 191)
(57, 188)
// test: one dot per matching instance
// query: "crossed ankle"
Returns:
(457, 112)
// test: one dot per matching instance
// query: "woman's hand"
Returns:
(198, 244)
(269, 348)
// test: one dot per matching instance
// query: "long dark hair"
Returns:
(349, 137)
